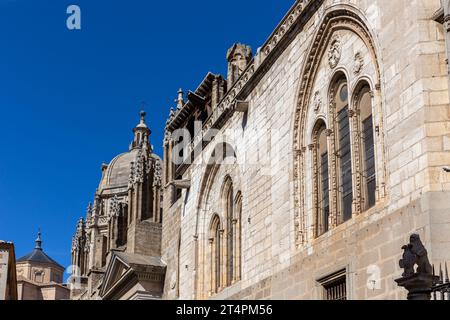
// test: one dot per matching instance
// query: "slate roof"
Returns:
(38, 256)
(138, 259)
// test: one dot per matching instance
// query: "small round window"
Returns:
(343, 94)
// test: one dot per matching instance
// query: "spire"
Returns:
(38, 241)
(141, 134)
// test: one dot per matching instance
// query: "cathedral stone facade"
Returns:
(116, 250)
(298, 175)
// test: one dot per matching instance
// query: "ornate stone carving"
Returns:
(418, 283)
(139, 168)
(114, 210)
(89, 214)
(158, 174)
(358, 64)
(447, 23)
(167, 136)
(317, 102)
(74, 243)
(87, 245)
(131, 177)
(336, 19)
(335, 51)
(415, 254)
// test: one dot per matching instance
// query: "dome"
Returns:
(118, 171)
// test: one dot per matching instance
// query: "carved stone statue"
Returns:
(415, 254)
(417, 247)
(408, 261)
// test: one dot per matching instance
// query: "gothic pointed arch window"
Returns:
(237, 227)
(321, 178)
(215, 247)
(343, 152)
(232, 206)
(367, 144)
(228, 208)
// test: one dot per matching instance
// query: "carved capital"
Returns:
(329, 132)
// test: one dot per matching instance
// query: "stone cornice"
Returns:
(282, 36)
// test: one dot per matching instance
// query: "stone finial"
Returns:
(38, 240)
(143, 114)
(238, 57)
(180, 100)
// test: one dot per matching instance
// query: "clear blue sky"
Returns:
(69, 99)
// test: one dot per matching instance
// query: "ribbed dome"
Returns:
(118, 171)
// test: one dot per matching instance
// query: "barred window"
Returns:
(335, 286)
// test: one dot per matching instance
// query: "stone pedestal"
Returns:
(418, 285)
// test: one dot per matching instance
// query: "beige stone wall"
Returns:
(170, 247)
(411, 108)
(49, 273)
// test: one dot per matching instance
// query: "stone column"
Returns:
(235, 255)
(418, 285)
(378, 139)
(223, 261)
(355, 142)
(333, 182)
(212, 269)
(315, 177)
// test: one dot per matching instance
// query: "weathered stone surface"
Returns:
(404, 65)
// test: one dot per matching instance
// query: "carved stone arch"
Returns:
(318, 119)
(238, 196)
(213, 223)
(318, 123)
(366, 199)
(337, 17)
(226, 184)
(361, 81)
(211, 180)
